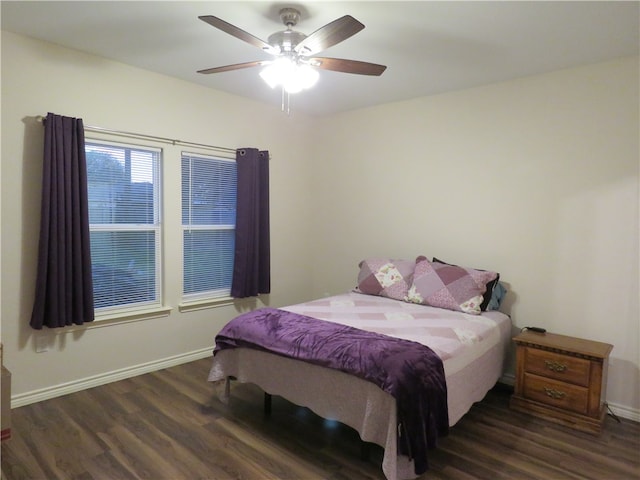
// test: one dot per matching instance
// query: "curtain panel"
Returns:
(252, 263)
(64, 287)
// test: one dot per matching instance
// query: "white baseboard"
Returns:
(508, 379)
(625, 412)
(104, 378)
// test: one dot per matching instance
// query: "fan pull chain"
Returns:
(286, 101)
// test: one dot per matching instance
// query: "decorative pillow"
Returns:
(488, 294)
(385, 277)
(448, 286)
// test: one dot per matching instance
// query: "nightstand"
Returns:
(562, 379)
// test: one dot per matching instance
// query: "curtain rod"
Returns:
(143, 136)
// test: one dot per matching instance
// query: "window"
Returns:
(208, 225)
(124, 217)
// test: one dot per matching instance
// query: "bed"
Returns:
(472, 348)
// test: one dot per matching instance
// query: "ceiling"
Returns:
(429, 47)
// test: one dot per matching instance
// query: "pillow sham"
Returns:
(488, 294)
(448, 286)
(385, 277)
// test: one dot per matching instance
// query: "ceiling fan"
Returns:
(295, 52)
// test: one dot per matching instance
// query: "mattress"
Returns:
(472, 348)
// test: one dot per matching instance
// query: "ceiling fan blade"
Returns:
(329, 35)
(348, 66)
(237, 66)
(236, 32)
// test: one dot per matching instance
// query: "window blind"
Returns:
(208, 222)
(124, 217)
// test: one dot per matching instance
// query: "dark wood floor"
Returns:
(170, 425)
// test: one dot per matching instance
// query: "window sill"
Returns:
(205, 304)
(132, 316)
(119, 318)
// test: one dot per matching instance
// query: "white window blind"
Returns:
(208, 224)
(124, 217)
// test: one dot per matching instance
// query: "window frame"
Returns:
(145, 309)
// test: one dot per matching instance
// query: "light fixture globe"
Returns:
(291, 75)
(308, 75)
(277, 71)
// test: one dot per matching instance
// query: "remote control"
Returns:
(536, 329)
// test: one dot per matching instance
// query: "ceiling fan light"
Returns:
(270, 76)
(300, 78)
(308, 75)
(293, 85)
(291, 76)
(277, 72)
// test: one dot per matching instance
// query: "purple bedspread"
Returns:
(409, 371)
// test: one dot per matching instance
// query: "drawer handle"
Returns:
(557, 394)
(555, 366)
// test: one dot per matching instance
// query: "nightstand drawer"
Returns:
(555, 393)
(558, 366)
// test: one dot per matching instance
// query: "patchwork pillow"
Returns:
(448, 286)
(385, 277)
(488, 294)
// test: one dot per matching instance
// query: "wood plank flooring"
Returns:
(169, 425)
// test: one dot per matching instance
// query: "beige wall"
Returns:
(535, 178)
(38, 78)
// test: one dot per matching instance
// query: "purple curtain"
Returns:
(64, 287)
(252, 265)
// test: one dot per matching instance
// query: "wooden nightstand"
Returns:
(562, 379)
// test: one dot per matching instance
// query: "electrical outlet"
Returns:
(42, 343)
